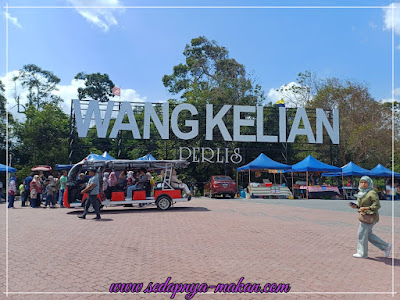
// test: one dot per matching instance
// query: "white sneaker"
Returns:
(359, 256)
(387, 251)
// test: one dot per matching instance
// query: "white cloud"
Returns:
(397, 91)
(389, 20)
(101, 17)
(286, 93)
(388, 100)
(13, 20)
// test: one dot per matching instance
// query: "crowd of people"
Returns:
(37, 189)
(130, 181)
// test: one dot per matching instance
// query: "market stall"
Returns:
(266, 189)
(311, 164)
(349, 170)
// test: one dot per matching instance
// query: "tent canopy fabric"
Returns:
(95, 157)
(263, 162)
(381, 171)
(312, 164)
(147, 157)
(350, 169)
(107, 156)
(4, 168)
(41, 168)
(64, 167)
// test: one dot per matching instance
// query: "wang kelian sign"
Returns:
(214, 119)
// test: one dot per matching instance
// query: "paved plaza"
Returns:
(308, 244)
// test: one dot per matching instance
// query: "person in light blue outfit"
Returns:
(368, 203)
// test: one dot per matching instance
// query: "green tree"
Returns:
(365, 124)
(98, 86)
(43, 137)
(211, 76)
(3, 118)
(40, 84)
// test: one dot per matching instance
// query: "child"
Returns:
(49, 192)
(21, 194)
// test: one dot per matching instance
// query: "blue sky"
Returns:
(136, 47)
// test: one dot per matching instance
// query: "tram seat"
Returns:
(118, 196)
(139, 195)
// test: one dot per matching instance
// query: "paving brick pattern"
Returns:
(205, 240)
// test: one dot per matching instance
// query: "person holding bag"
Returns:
(368, 206)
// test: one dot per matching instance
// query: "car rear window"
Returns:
(222, 178)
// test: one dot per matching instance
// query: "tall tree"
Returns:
(43, 136)
(98, 86)
(211, 76)
(3, 118)
(40, 84)
(365, 124)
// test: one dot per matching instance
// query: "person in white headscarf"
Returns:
(176, 183)
(368, 203)
(105, 180)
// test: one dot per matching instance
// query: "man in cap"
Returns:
(92, 187)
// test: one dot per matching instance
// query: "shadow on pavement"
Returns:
(142, 210)
(387, 260)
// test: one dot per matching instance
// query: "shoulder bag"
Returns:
(367, 219)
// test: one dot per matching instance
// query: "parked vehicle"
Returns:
(220, 185)
(164, 194)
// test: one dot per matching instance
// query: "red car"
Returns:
(220, 185)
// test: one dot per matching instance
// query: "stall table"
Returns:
(321, 191)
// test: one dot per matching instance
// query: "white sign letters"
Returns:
(243, 117)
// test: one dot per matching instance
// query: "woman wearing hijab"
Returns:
(131, 178)
(112, 180)
(176, 183)
(35, 189)
(368, 204)
(12, 190)
(105, 181)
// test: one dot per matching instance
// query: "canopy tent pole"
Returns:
(343, 190)
(307, 184)
(292, 184)
(274, 179)
(280, 177)
(249, 178)
(237, 182)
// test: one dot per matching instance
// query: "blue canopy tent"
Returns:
(4, 168)
(262, 162)
(107, 156)
(311, 164)
(147, 157)
(64, 167)
(94, 157)
(350, 169)
(381, 171)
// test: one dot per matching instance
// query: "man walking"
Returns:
(93, 188)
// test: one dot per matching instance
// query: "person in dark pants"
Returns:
(93, 187)
(27, 192)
